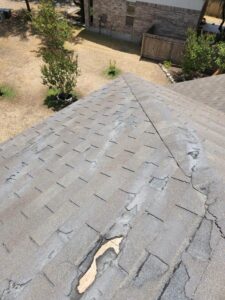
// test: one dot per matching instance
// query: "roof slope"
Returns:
(190, 4)
(209, 90)
(117, 164)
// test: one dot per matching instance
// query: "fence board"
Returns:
(214, 9)
(162, 48)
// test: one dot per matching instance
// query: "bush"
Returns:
(112, 71)
(219, 56)
(198, 57)
(61, 69)
(51, 26)
(7, 92)
(167, 64)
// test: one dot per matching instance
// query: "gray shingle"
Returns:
(127, 161)
(208, 90)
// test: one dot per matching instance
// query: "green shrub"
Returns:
(167, 64)
(60, 69)
(219, 56)
(112, 71)
(198, 56)
(7, 92)
(53, 28)
(203, 55)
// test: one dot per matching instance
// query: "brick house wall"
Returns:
(169, 21)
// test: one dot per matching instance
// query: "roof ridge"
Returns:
(179, 140)
(184, 118)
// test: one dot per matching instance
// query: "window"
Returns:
(130, 13)
(91, 15)
(130, 8)
(129, 21)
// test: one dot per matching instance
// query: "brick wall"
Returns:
(170, 21)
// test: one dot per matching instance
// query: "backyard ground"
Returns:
(20, 69)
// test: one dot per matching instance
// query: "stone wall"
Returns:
(169, 21)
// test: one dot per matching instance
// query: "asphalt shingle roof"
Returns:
(209, 90)
(129, 162)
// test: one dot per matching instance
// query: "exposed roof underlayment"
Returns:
(127, 183)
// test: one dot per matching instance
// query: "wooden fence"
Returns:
(214, 9)
(162, 48)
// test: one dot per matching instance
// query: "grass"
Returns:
(112, 71)
(167, 64)
(7, 92)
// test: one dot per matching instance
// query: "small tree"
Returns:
(28, 5)
(219, 57)
(198, 54)
(60, 69)
(51, 26)
(222, 5)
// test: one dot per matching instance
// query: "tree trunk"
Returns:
(28, 5)
(223, 17)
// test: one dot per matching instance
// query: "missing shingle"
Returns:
(89, 276)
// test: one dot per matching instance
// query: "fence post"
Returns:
(142, 45)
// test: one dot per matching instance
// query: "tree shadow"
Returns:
(108, 41)
(20, 22)
(61, 3)
(17, 25)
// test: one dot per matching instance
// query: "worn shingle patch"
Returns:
(116, 164)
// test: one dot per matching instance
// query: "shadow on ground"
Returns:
(17, 25)
(107, 41)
